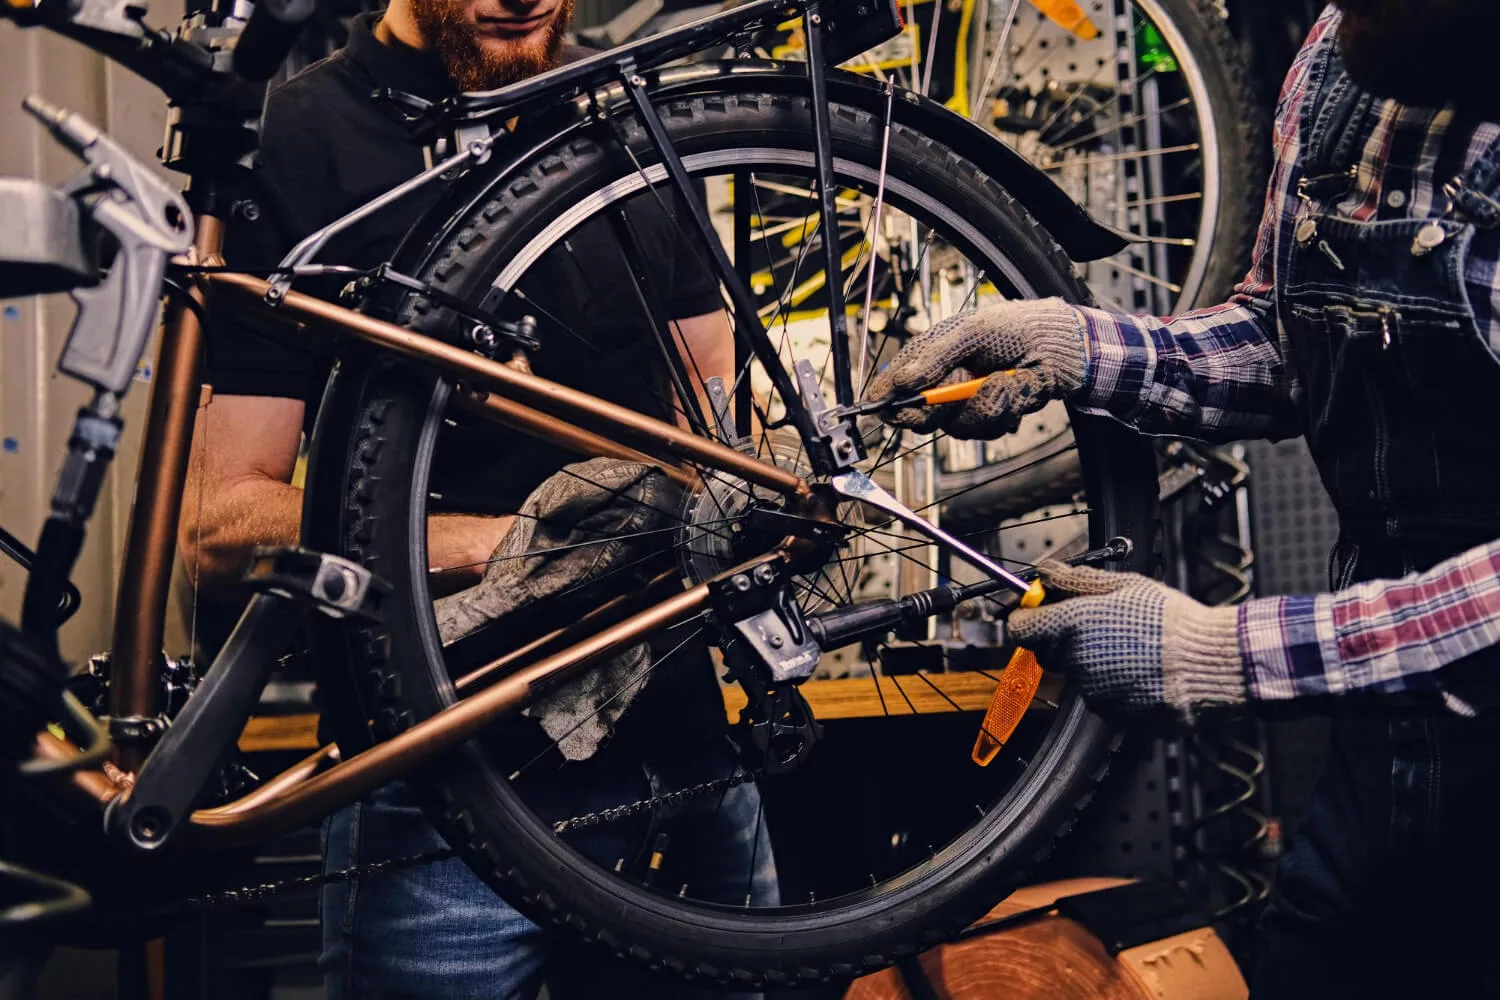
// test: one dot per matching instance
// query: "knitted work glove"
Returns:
(1134, 645)
(578, 526)
(1042, 342)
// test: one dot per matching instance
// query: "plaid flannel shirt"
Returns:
(1224, 374)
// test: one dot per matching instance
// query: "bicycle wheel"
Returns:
(1154, 127)
(909, 859)
(1142, 110)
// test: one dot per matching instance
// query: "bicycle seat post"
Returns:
(211, 136)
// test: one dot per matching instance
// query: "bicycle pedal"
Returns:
(336, 587)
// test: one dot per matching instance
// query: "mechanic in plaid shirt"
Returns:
(1368, 323)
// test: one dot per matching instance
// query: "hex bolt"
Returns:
(740, 582)
(776, 641)
(764, 574)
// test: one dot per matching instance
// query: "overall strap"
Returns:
(1332, 112)
(1476, 192)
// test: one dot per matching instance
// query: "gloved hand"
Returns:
(580, 525)
(1135, 646)
(1041, 341)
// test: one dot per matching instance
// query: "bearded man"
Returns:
(328, 147)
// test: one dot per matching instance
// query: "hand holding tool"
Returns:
(955, 393)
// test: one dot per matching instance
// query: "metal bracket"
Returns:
(126, 730)
(486, 330)
(835, 429)
(762, 610)
(723, 413)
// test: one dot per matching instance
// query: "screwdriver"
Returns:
(955, 393)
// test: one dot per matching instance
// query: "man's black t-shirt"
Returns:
(327, 148)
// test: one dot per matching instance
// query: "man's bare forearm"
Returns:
(219, 535)
(459, 547)
(258, 511)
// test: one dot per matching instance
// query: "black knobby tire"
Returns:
(383, 419)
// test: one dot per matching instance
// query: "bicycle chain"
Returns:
(265, 890)
(616, 813)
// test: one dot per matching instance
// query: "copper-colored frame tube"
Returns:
(231, 826)
(604, 614)
(301, 794)
(151, 544)
(654, 437)
(538, 424)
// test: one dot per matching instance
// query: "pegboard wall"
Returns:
(1132, 828)
(1293, 524)
(1293, 529)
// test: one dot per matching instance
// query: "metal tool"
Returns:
(858, 486)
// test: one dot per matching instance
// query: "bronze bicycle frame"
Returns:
(538, 407)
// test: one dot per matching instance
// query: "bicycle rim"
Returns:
(494, 793)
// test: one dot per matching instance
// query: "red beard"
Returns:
(477, 63)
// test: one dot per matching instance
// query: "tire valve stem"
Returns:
(658, 854)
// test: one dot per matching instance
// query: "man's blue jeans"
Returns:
(438, 931)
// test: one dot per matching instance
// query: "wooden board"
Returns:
(849, 698)
(1056, 959)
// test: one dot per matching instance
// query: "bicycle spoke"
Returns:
(603, 540)
(928, 680)
(760, 816)
(877, 218)
(1123, 123)
(1095, 158)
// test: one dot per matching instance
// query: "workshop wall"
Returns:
(37, 406)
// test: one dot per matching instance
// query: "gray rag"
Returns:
(574, 528)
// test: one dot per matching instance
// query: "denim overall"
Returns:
(1390, 887)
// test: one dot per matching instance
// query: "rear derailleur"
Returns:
(769, 652)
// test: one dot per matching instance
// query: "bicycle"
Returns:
(437, 340)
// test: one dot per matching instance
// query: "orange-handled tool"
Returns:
(955, 393)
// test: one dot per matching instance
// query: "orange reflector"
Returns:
(1069, 16)
(1008, 705)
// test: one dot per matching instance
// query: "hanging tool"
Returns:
(1070, 16)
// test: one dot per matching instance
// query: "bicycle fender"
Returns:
(1083, 237)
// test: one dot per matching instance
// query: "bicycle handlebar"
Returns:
(179, 66)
